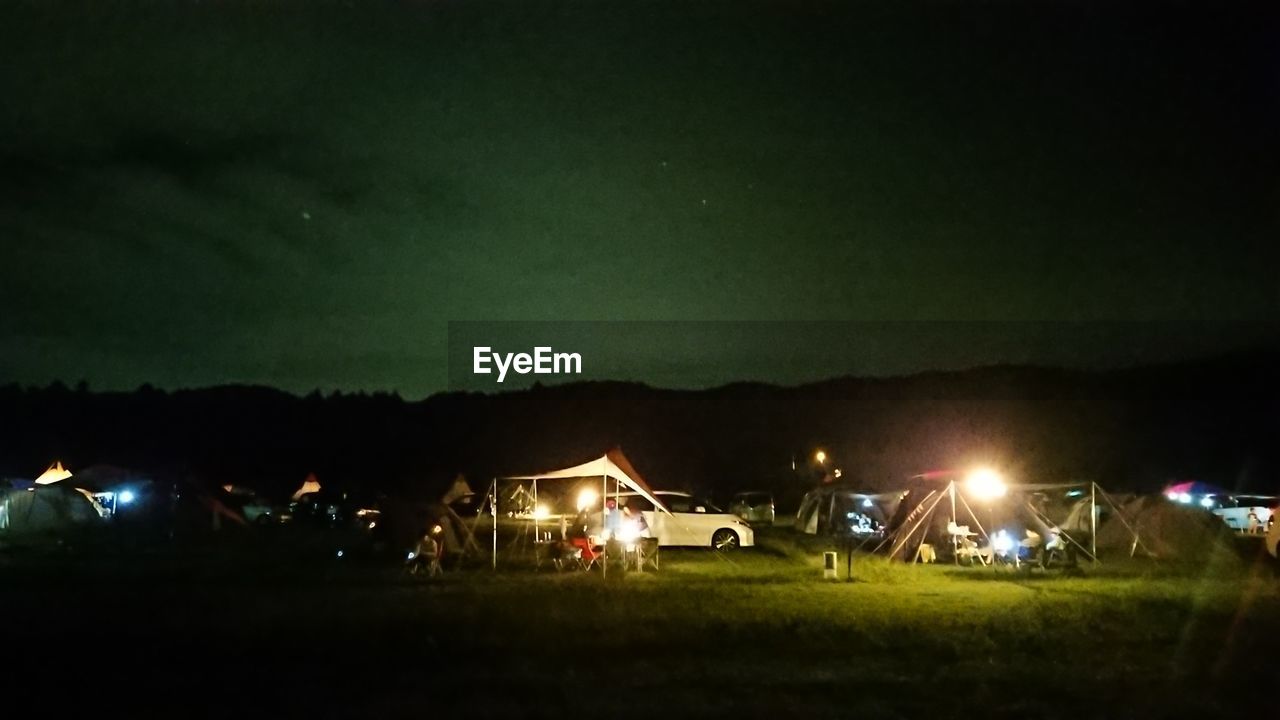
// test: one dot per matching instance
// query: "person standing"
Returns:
(612, 519)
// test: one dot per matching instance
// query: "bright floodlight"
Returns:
(541, 512)
(1184, 498)
(985, 484)
(587, 498)
(125, 497)
(1001, 542)
(866, 502)
(1173, 496)
(1206, 501)
(820, 456)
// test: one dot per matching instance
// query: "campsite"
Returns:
(708, 635)
(653, 359)
(1166, 612)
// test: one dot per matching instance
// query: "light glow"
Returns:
(1002, 542)
(820, 456)
(1206, 501)
(126, 496)
(985, 484)
(1184, 498)
(541, 512)
(587, 498)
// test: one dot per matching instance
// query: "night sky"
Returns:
(302, 195)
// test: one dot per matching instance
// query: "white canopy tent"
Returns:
(613, 465)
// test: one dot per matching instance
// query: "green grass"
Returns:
(757, 632)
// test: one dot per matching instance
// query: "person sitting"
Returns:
(427, 553)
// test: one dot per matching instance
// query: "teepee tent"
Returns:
(310, 485)
(54, 474)
(459, 490)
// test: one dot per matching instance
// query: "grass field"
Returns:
(755, 633)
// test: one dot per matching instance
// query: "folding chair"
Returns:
(647, 553)
(589, 555)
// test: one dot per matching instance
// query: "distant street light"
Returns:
(985, 484)
(821, 457)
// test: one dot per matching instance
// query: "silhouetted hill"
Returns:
(1136, 428)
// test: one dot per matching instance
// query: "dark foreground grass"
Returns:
(757, 633)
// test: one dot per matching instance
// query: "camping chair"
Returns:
(589, 553)
(968, 552)
(647, 553)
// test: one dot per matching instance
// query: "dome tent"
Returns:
(46, 509)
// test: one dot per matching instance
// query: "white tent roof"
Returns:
(612, 464)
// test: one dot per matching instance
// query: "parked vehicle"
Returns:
(262, 512)
(754, 507)
(1240, 520)
(693, 522)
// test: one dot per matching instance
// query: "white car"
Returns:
(693, 522)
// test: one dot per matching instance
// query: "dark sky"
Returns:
(303, 194)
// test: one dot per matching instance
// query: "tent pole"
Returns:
(892, 538)
(604, 523)
(1044, 519)
(976, 521)
(955, 556)
(902, 543)
(536, 535)
(1093, 520)
(493, 508)
(1137, 540)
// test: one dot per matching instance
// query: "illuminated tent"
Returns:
(840, 510)
(54, 474)
(613, 465)
(309, 486)
(934, 513)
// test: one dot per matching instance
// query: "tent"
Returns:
(942, 514)
(46, 508)
(459, 491)
(842, 510)
(1163, 529)
(613, 465)
(54, 474)
(309, 486)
